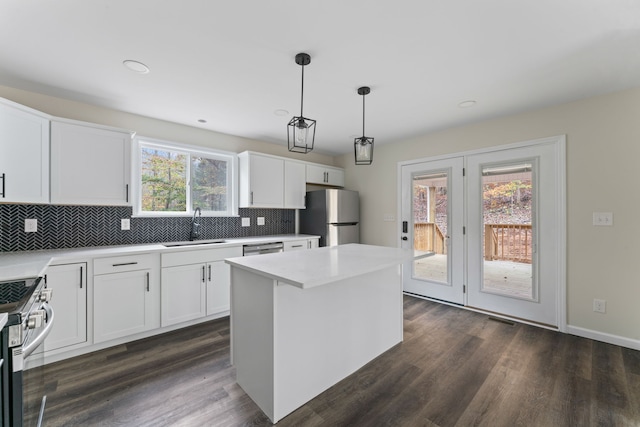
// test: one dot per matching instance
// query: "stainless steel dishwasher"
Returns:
(262, 248)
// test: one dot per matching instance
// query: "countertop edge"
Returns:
(17, 265)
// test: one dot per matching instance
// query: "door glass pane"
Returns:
(430, 221)
(507, 207)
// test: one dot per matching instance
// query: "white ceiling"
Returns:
(232, 62)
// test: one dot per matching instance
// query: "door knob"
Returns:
(405, 238)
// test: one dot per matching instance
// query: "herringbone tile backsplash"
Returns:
(85, 226)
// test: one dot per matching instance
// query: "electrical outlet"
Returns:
(599, 306)
(603, 218)
(260, 220)
(30, 225)
(125, 224)
(246, 222)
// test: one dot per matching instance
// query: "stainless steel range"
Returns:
(29, 321)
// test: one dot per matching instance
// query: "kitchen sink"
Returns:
(193, 243)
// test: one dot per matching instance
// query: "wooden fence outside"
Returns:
(507, 242)
(427, 236)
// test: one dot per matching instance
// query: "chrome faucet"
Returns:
(195, 225)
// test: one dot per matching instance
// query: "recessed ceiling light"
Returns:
(135, 66)
(281, 113)
(467, 104)
(202, 121)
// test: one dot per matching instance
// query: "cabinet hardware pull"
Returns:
(203, 274)
(4, 178)
(81, 267)
(126, 192)
(251, 202)
(296, 246)
(45, 281)
(148, 281)
(209, 272)
(125, 263)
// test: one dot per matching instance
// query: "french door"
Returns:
(432, 215)
(494, 221)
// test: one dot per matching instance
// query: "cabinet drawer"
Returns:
(119, 264)
(199, 256)
(295, 245)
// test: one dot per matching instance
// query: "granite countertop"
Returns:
(19, 265)
(307, 269)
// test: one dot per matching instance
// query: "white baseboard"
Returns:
(604, 337)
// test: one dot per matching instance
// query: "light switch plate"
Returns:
(603, 218)
(125, 224)
(246, 222)
(260, 220)
(30, 225)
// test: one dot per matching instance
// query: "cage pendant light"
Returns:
(301, 131)
(363, 146)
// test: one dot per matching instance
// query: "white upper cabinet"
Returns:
(294, 185)
(277, 182)
(90, 164)
(261, 181)
(325, 175)
(24, 154)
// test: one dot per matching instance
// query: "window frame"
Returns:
(190, 151)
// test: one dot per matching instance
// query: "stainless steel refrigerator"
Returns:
(332, 214)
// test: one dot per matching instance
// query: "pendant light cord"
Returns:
(363, 95)
(302, 93)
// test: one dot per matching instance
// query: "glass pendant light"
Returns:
(301, 131)
(363, 146)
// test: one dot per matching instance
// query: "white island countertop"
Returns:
(316, 267)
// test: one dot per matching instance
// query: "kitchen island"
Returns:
(302, 321)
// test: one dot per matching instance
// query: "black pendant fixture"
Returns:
(301, 131)
(363, 146)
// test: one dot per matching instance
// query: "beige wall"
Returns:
(153, 128)
(603, 150)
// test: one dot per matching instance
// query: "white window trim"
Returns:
(189, 150)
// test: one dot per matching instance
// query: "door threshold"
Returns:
(491, 314)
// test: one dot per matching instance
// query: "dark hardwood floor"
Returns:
(454, 368)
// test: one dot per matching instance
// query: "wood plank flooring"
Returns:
(454, 368)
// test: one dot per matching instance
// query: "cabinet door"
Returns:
(89, 166)
(261, 181)
(69, 301)
(335, 177)
(325, 175)
(218, 287)
(314, 243)
(24, 156)
(294, 185)
(123, 304)
(183, 294)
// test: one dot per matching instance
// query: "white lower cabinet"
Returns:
(68, 283)
(125, 296)
(195, 284)
(218, 287)
(296, 245)
(183, 293)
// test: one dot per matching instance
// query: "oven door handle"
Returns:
(28, 349)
